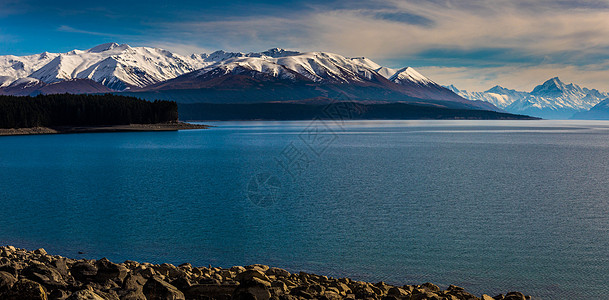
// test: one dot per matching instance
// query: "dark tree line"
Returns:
(82, 110)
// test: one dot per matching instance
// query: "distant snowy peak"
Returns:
(498, 96)
(551, 99)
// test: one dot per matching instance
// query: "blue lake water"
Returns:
(492, 206)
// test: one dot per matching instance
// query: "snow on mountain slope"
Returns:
(116, 66)
(15, 67)
(122, 67)
(499, 96)
(410, 75)
(598, 112)
(316, 66)
(555, 99)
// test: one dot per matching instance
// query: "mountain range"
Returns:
(222, 77)
(275, 75)
(552, 100)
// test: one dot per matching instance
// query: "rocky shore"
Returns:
(169, 126)
(37, 275)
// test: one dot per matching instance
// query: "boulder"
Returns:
(486, 297)
(251, 274)
(60, 264)
(26, 289)
(430, 287)
(44, 275)
(209, 291)
(157, 289)
(40, 252)
(83, 271)
(278, 272)
(58, 295)
(255, 288)
(85, 295)
(107, 270)
(514, 296)
(6, 282)
(397, 292)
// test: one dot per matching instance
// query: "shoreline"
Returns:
(171, 126)
(38, 275)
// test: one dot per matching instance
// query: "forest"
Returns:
(82, 110)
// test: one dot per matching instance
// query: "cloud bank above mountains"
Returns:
(473, 44)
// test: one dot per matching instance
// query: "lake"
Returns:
(492, 206)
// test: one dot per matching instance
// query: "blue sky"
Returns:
(474, 44)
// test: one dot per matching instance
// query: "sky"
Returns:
(473, 44)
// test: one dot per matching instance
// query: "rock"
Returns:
(486, 297)
(58, 295)
(107, 270)
(44, 275)
(430, 287)
(277, 272)
(61, 266)
(255, 288)
(83, 271)
(6, 281)
(209, 291)
(455, 288)
(362, 291)
(133, 282)
(26, 289)
(85, 295)
(250, 274)
(514, 296)
(168, 270)
(144, 271)
(181, 283)
(280, 286)
(237, 269)
(40, 252)
(397, 292)
(259, 267)
(157, 289)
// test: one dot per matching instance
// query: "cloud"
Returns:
(474, 41)
(65, 28)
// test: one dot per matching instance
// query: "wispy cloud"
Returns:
(476, 36)
(65, 28)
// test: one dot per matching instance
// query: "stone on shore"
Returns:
(36, 275)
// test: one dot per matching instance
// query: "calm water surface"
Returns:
(492, 206)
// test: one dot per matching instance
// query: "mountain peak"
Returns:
(553, 87)
(279, 52)
(106, 47)
(409, 74)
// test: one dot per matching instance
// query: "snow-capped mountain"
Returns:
(153, 70)
(280, 75)
(556, 100)
(116, 66)
(553, 99)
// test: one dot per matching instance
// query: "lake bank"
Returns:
(38, 275)
(170, 126)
